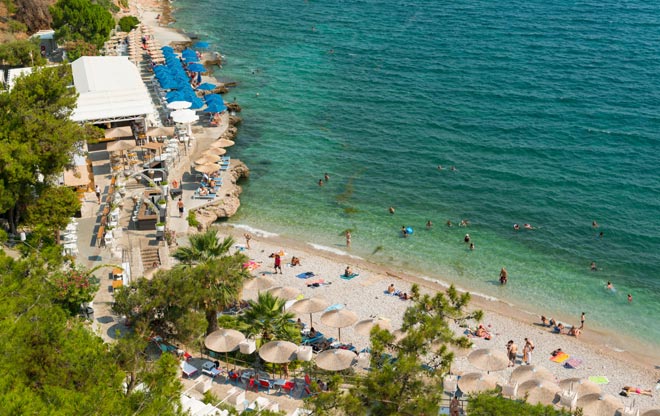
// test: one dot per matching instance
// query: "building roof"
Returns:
(110, 89)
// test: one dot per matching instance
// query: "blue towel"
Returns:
(349, 277)
(305, 275)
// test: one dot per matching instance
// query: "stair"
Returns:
(150, 258)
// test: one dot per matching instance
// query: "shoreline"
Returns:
(489, 304)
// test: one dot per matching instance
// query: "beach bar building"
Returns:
(110, 90)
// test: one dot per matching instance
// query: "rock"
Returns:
(229, 203)
(233, 107)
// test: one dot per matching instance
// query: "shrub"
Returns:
(128, 23)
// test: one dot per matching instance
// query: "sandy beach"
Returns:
(365, 296)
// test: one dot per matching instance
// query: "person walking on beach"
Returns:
(527, 351)
(248, 237)
(512, 353)
(97, 191)
(180, 205)
(348, 238)
(278, 263)
(504, 276)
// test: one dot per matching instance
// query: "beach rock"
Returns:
(229, 203)
(233, 107)
(234, 120)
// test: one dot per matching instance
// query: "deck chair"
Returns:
(265, 384)
(288, 388)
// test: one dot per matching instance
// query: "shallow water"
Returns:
(548, 111)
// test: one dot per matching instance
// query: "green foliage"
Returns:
(192, 219)
(491, 404)
(81, 20)
(36, 136)
(405, 377)
(11, 7)
(54, 208)
(267, 318)
(77, 48)
(73, 287)
(21, 53)
(15, 26)
(203, 246)
(128, 23)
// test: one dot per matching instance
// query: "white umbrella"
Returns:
(184, 116)
(335, 359)
(179, 105)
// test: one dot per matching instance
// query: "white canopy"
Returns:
(110, 89)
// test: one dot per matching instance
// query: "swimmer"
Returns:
(439, 167)
(391, 209)
(453, 168)
(320, 182)
(594, 224)
(466, 238)
(326, 177)
(404, 232)
(609, 286)
(601, 235)
(464, 223)
(429, 224)
(629, 298)
(448, 223)
(516, 227)
(471, 246)
(593, 266)
(528, 226)
(504, 276)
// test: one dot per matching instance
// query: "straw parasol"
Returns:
(207, 159)
(259, 283)
(581, 386)
(475, 382)
(116, 132)
(310, 306)
(215, 151)
(278, 352)
(223, 340)
(599, 405)
(364, 326)
(539, 391)
(339, 318)
(284, 292)
(206, 168)
(488, 359)
(160, 131)
(335, 359)
(121, 145)
(529, 372)
(222, 143)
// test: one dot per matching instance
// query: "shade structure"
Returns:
(216, 151)
(196, 67)
(259, 283)
(179, 105)
(488, 359)
(476, 382)
(121, 145)
(207, 86)
(160, 131)
(278, 352)
(201, 45)
(539, 391)
(222, 143)
(529, 372)
(215, 108)
(310, 306)
(153, 145)
(115, 132)
(364, 326)
(339, 318)
(335, 359)
(284, 292)
(206, 159)
(599, 405)
(207, 168)
(223, 340)
(184, 116)
(581, 386)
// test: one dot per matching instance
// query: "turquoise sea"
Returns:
(550, 112)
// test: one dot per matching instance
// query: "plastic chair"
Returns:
(265, 384)
(288, 387)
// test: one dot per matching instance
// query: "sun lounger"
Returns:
(197, 195)
(187, 369)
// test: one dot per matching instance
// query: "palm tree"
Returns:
(203, 246)
(218, 283)
(266, 317)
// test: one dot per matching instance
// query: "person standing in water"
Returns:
(429, 224)
(348, 238)
(391, 209)
(326, 177)
(504, 276)
(320, 182)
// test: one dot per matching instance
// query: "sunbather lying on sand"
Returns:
(481, 332)
(627, 390)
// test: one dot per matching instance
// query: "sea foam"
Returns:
(334, 251)
(255, 231)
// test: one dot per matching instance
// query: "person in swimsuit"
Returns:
(516, 227)
(504, 276)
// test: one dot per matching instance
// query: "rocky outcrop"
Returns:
(229, 203)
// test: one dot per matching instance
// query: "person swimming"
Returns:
(516, 227)
(609, 286)
(528, 226)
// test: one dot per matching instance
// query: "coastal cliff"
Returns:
(229, 203)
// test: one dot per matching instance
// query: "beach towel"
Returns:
(560, 358)
(305, 275)
(599, 379)
(573, 363)
(350, 276)
(335, 307)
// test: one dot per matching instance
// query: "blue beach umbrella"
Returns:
(214, 98)
(207, 86)
(167, 49)
(197, 103)
(201, 45)
(215, 107)
(191, 59)
(196, 68)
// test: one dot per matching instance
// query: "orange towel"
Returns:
(560, 358)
